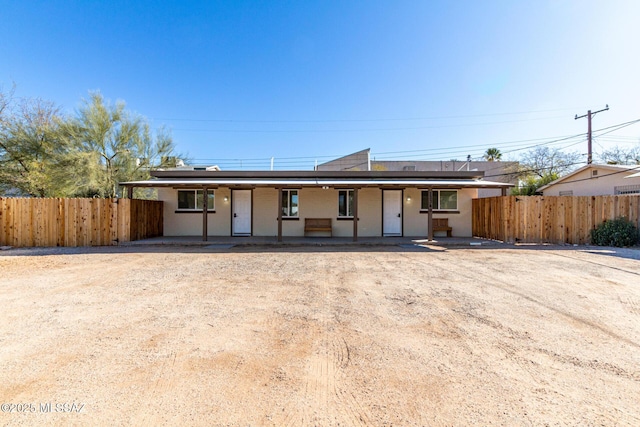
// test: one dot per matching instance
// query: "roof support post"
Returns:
(430, 215)
(279, 189)
(504, 191)
(130, 192)
(355, 214)
(205, 203)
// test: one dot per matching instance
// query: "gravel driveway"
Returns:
(327, 336)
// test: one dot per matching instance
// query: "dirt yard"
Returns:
(319, 336)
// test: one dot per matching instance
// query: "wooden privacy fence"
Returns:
(77, 222)
(549, 219)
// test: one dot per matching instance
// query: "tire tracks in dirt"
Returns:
(524, 355)
(163, 378)
(496, 282)
(326, 400)
(162, 382)
(525, 363)
(630, 303)
(599, 264)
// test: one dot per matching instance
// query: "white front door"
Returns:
(241, 212)
(392, 213)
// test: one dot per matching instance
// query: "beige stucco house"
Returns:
(596, 180)
(281, 203)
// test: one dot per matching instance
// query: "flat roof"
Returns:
(342, 179)
(254, 182)
(349, 175)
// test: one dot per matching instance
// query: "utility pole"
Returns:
(588, 116)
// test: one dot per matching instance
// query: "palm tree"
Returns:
(492, 154)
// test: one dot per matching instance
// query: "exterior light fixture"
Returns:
(408, 198)
(226, 199)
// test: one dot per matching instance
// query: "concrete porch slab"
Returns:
(220, 242)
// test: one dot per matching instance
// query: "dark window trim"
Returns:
(438, 190)
(347, 190)
(439, 211)
(441, 188)
(210, 191)
(288, 191)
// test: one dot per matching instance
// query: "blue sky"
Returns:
(240, 82)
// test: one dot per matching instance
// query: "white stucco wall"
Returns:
(190, 223)
(314, 203)
(416, 222)
(317, 203)
(265, 212)
(369, 212)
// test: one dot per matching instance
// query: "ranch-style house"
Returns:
(316, 203)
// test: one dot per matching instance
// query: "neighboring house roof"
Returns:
(361, 161)
(358, 161)
(615, 175)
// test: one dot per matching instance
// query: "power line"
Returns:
(358, 130)
(504, 143)
(519, 144)
(531, 170)
(625, 138)
(363, 120)
(424, 155)
(516, 145)
(617, 127)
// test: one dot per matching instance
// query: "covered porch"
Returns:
(282, 184)
(223, 242)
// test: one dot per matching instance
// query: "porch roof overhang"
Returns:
(324, 182)
(316, 175)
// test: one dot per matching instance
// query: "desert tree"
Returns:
(115, 145)
(32, 150)
(6, 100)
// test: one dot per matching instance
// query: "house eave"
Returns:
(362, 175)
(326, 182)
(616, 168)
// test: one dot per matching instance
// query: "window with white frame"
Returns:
(191, 200)
(443, 200)
(290, 203)
(345, 203)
